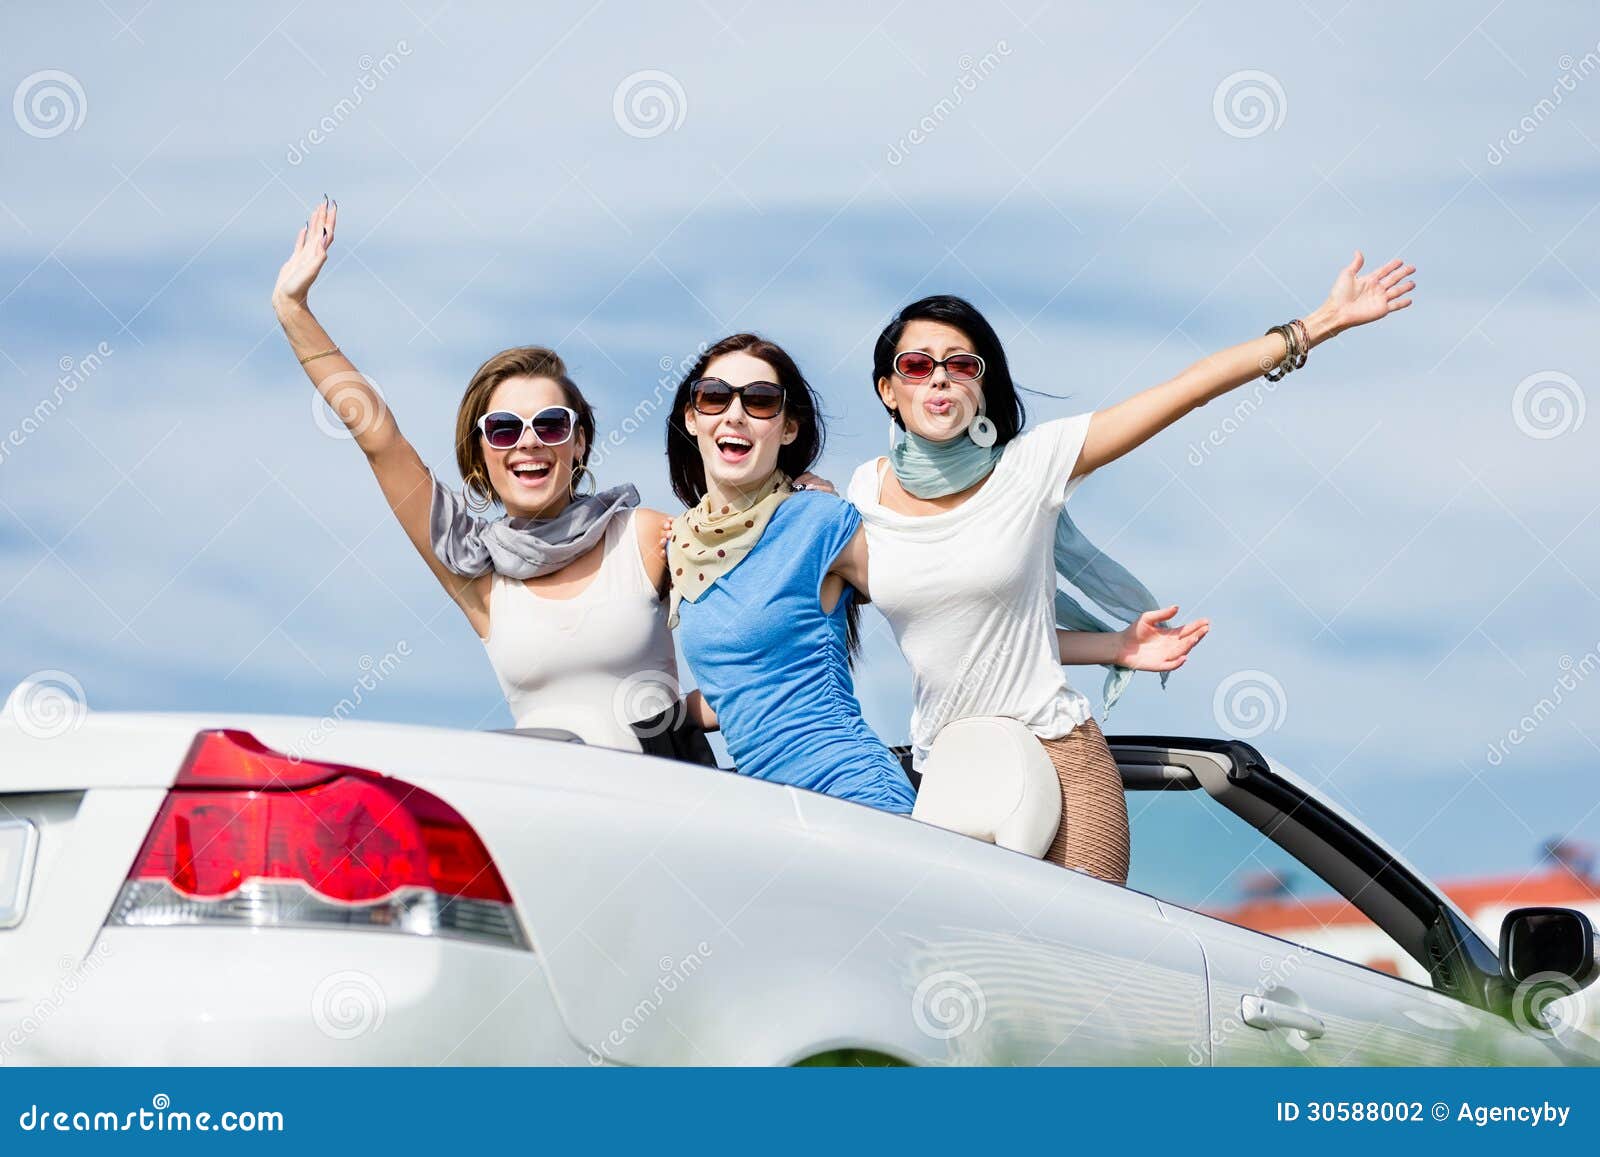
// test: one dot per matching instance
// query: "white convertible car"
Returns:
(175, 890)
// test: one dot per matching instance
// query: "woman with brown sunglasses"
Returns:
(970, 541)
(766, 582)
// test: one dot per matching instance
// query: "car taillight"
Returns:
(250, 836)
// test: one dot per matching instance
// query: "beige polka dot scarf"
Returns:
(707, 543)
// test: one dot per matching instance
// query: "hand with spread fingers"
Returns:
(1146, 645)
(1355, 299)
(310, 254)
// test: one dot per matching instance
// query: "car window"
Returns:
(1190, 850)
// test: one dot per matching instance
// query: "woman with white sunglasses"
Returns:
(566, 588)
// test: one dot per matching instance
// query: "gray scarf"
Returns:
(520, 548)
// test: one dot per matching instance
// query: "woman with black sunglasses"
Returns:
(566, 588)
(766, 580)
(968, 535)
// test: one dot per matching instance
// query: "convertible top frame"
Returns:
(1357, 867)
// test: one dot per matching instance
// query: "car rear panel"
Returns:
(289, 996)
(74, 991)
(89, 796)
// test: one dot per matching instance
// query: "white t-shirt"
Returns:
(970, 592)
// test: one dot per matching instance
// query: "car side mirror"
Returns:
(1547, 943)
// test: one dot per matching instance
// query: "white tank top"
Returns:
(591, 664)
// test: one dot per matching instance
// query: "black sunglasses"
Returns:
(760, 399)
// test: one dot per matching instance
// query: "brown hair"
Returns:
(529, 361)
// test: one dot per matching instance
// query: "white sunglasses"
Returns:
(552, 426)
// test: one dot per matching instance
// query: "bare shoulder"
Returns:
(648, 523)
(649, 527)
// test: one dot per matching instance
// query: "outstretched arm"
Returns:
(1143, 645)
(1354, 300)
(402, 475)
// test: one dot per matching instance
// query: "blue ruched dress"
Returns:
(774, 668)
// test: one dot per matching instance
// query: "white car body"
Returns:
(673, 915)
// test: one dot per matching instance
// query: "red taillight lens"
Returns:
(243, 817)
(239, 759)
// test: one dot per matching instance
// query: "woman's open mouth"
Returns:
(733, 449)
(532, 474)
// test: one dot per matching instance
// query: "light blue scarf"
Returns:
(930, 469)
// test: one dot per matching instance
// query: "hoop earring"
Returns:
(982, 431)
(583, 471)
(473, 490)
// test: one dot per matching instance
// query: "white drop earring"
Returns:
(982, 431)
(893, 426)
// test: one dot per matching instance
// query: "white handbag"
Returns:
(990, 778)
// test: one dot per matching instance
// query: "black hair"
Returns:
(688, 471)
(1000, 399)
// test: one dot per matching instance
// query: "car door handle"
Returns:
(1258, 1012)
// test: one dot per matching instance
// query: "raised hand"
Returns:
(1356, 299)
(310, 254)
(1145, 645)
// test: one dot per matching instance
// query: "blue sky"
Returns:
(1399, 536)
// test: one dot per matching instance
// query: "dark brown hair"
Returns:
(688, 470)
